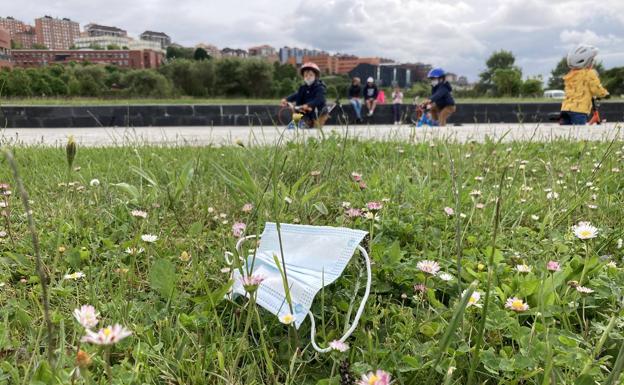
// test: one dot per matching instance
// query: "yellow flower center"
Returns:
(517, 305)
(107, 332)
(585, 233)
(472, 300)
(373, 379)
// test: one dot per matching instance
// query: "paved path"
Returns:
(199, 136)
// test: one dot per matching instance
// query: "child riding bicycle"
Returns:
(310, 98)
(582, 85)
(441, 100)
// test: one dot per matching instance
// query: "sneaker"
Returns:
(291, 125)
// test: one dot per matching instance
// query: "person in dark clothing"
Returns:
(310, 97)
(370, 95)
(355, 95)
(441, 100)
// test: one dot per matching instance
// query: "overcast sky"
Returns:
(457, 35)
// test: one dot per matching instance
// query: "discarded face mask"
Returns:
(314, 256)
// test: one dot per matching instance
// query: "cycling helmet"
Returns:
(310, 66)
(436, 73)
(582, 56)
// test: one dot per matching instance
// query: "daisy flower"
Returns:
(108, 336)
(251, 282)
(238, 229)
(86, 316)
(356, 176)
(474, 299)
(138, 214)
(374, 206)
(584, 230)
(75, 276)
(353, 213)
(339, 346)
(516, 304)
(149, 238)
(584, 290)
(429, 267)
(446, 277)
(523, 268)
(287, 319)
(380, 377)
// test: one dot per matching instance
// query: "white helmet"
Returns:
(370, 80)
(582, 56)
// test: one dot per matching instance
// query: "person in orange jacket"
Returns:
(581, 86)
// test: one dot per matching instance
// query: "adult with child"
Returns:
(370, 95)
(355, 94)
(441, 99)
(310, 97)
(582, 85)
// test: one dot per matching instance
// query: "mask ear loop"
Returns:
(229, 256)
(357, 315)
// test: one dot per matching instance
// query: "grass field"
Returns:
(530, 321)
(218, 101)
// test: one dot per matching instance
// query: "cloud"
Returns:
(456, 34)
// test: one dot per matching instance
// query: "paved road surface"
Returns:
(200, 136)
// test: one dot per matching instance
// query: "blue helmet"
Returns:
(436, 73)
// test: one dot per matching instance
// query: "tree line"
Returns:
(227, 77)
(193, 73)
(502, 77)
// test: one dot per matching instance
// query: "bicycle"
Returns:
(594, 114)
(422, 114)
(294, 115)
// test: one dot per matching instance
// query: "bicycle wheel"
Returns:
(416, 115)
(284, 115)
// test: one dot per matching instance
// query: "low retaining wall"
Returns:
(237, 115)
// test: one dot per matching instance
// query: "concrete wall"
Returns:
(236, 115)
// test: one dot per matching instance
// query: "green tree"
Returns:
(113, 47)
(180, 73)
(284, 71)
(57, 86)
(613, 80)
(499, 60)
(174, 52)
(284, 87)
(507, 81)
(91, 80)
(38, 82)
(146, 83)
(256, 77)
(229, 81)
(201, 54)
(532, 87)
(555, 81)
(18, 83)
(203, 72)
(38, 46)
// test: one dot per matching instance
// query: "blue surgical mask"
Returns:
(315, 256)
